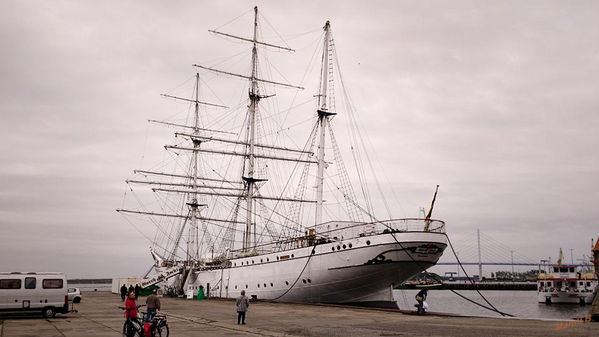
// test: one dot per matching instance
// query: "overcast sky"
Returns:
(496, 101)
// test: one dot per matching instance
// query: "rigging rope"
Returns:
(300, 274)
(492, 308)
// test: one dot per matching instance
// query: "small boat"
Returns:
(566, 284)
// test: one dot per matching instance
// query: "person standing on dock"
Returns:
(242, 306)
(131, 310)
(153, 304)
(123, 292)
(137, 290)
(420, 298)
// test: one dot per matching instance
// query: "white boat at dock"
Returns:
(225, 224)
(566, 284)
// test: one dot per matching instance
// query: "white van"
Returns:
(43, 292)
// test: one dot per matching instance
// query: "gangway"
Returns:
(162, 276)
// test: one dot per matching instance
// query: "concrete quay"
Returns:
(98, 315)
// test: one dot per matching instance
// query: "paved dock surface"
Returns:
(98, 315)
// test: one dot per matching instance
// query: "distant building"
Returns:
(596, 256)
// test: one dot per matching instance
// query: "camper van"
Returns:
(43, 292)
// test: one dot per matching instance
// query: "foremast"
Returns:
(324, 112)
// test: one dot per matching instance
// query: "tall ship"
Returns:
(562, 283)
(238, 205)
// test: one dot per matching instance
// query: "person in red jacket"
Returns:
(132, 323)
(131, 307)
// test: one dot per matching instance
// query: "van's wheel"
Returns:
(77, 300)
(49, 312)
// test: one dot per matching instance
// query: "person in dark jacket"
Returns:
(153, 304)
(123, 292)
(137, 290)
(420, 298)
(242, 306)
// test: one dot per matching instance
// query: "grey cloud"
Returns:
(496, 102)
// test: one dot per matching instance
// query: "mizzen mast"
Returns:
(191, 186)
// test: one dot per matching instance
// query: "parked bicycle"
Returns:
(157, 326)
(133, 327)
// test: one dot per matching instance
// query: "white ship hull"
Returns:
(358, 271)
(566, 297)
(566, 284)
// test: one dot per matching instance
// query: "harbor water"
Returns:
(522, 304)
(91, 286)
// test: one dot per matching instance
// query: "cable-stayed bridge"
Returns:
(487, 251)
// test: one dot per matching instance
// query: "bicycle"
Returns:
(133, 327)
(157, 326)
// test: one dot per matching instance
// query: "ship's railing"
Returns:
(349, 230)
(411, 225)
(388, 226)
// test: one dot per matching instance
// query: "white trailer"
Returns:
(43, 292)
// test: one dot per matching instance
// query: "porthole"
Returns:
(258, 285)
(264, 285)
(350, 245)
(252, 261)
(292, 255)
(271, 284)
(344, 246)
(303, 280)
(260, 260)
(286, 283)
(235, 287)
(368, 242)
(333, 248)
(309, 281)
(267, 260)
(246, 286)
(338, 248)
(277, 258)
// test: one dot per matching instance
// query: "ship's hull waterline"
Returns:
(570, 297)
(358, 271)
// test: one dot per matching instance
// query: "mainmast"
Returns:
(248, 175)
(323, 117)
(193, 185)
(193, 244)
(254, 99)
